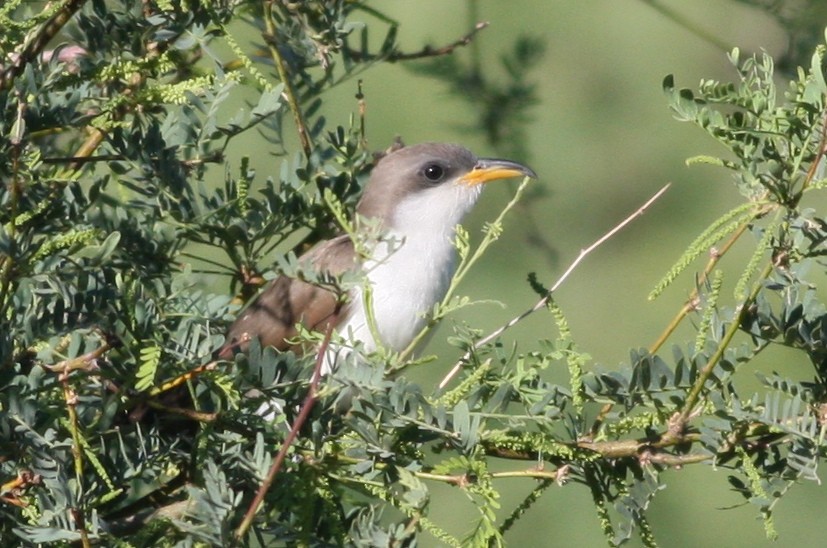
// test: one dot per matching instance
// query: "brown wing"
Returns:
(285, 302)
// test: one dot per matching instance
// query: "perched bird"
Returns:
(416, 195)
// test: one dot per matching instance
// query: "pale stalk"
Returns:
(543, 301)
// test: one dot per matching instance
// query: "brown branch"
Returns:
(645, 451)
(183, 378)
(447, 49)
(634, 447)
(192, 414)
(35, 46)
(84, 362)
(89, 146)
(65, 367)
(424, 53)
(675, 461)
(307, 406)
(615, 449)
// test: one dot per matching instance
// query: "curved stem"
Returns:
(691, 302)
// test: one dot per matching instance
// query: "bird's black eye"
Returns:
(433, 172)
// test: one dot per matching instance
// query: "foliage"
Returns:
(110, 226)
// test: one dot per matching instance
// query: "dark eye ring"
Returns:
(433, 172)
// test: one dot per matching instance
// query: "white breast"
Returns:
(411, 275)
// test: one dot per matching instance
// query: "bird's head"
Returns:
(434, 182)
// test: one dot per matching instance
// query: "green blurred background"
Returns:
(602, 140)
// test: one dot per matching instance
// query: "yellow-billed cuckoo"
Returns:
(417, 194)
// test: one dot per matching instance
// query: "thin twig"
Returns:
(684, 22)
(71, 399)
(428, 51)
(90, 145)
(692, 302)
(77, 160)
(289, 93)
(307, 405)
(544, 301)
(424, 53)
(647, 450)
(191, 414)
(182, 378)
(685, 414)
(476, 51)
(84, 362)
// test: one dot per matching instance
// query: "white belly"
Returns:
(405, 286)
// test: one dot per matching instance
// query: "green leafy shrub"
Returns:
(110, 226)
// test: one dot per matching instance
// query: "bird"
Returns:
(416, 195)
